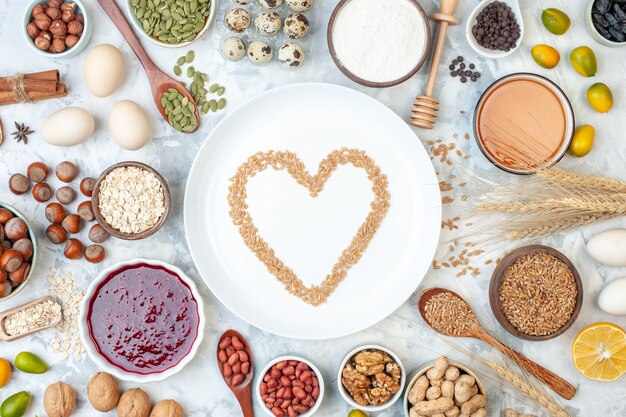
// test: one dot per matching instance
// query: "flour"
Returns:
(379, 40)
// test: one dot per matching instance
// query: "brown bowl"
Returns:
(114, 232)
(496, 279)
(333, 53)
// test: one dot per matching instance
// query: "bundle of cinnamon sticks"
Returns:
(36, 86)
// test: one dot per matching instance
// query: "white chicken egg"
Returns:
(68, 127)
(612, 298)
(129, 125)
(103, 70)
(609, 247)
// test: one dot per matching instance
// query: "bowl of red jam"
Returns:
(142, 320)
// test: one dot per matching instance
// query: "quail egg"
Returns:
(270, 4)
(233, 48)
(299, 5)
(291, 56)
(268, 23)
(260, 52)
(296, 26)
(238, 20)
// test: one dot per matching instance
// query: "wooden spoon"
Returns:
(160, 82)
(476, 331)
(243, 391)
(9, 338)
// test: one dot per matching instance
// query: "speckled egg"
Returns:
(299, 5)
(260, 52)
(270, 4)
(296, 26)
(268, 23)
(291, 56)
(233, 48)
(238, 20)
(243, 2)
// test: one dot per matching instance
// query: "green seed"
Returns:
(181, 61)
(189, 128)
(205, 77)
(190, 56)
(190, 71)
(178, 127)
(177, 70)
(184, 102)
(221, 91)
(213, 105)
(221, 103)
(205, 107)
(214, 88)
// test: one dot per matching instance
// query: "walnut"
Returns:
(74, 27)
(372, 377)
(370, 362)
(134, 403)
(378, 396)
(59, 400)
(167, 408)
(394, 370)
(58, 28)
(387, 382)
(356, 384)
(103, 391)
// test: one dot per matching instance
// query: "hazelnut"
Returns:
(66, 195)
(3, 276)
(58, 28)
(15, 229)
(73, 249)
(46, 35)
(54, 13)
(97, 234)
(74, 27)
(32, 29)
(5, 289)
(56, 234)
(18, 184)
(19, 275)
(10, 260)
(167, 408)
(66, 171)
(58, 46)
(69, 5)
(71, 40)
(36, 10)
(55, 213)
(85, 211)
(103, 391)
(1, 234)
(94, 254)
(55, 3)
(5, 215)
(6, 244)
(25, 247)
(80, 18)
(87, 185)
(67, 16)
(71, 223)
(134, 403)
(43, 21)
(42, 192)
(59, 400)
(37, 172)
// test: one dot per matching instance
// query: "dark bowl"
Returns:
(496, 279)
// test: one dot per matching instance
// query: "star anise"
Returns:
(22, 132)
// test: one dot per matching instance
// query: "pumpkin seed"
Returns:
(213, 105)
(221, 91)
(221, 103)
(190, 71)
(205, 107)
(214, 88)
(181, 61)
(190, 56)
(177, 70)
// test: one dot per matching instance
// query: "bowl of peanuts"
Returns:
(444, 388)
(290, 386)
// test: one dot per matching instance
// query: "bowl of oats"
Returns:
(131, 200)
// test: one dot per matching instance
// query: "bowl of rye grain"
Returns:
(536, 293)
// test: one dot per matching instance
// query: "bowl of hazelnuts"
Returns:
(56, 28)
(18, 251)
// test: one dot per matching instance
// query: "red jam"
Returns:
(143, 319)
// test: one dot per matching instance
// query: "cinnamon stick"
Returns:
(9, 97)
(37, 85)
(30, 84)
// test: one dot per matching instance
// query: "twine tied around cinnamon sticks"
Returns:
(16, 81)
(28, 88)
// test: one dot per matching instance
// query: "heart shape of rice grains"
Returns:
(285, 160)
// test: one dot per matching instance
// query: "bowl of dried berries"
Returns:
(606, 21)
(56, 28)
(371, 378)
(131, 200)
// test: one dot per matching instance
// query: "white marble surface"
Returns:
(199, 386)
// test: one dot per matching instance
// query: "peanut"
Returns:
(452, 373)
(463, 388)
(440, 405)
(481, 412)
(438, 369)
(418, 390)
(474, 403)
(447, 389)
(453, 412)
(433, 393)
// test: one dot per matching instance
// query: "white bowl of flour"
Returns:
(379, 43)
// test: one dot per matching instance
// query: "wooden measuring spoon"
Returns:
(8, 338)
(476, 331)
(160, 82)
(243, 391)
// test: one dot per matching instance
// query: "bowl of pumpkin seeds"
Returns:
(172, 23)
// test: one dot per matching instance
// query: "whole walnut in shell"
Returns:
(167, 408)
(59, 400)
(103, 391)
(134, 403)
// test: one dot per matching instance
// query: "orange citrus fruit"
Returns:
(599, 351)
(5, 372)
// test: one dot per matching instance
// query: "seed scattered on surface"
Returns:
(189, 57)
(177, 70)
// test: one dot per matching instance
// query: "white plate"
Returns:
(309, 234)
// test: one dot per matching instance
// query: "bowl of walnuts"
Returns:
(57, 28)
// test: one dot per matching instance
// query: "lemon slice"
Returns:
(599, 351)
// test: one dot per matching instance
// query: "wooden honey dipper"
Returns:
(426, 107)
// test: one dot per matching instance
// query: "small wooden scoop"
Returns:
(8, 338)
(243, 391)
(160, 82)
(476, 331)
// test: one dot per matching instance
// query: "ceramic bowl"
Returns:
(257, 386)
(406, 407)
(373, 84)
(496, 279)
(33, 261)
(489, 53)
(100, 218)
(76, 49)
(139, 28)
(346, 395)
(594, 32)
(101, 361)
